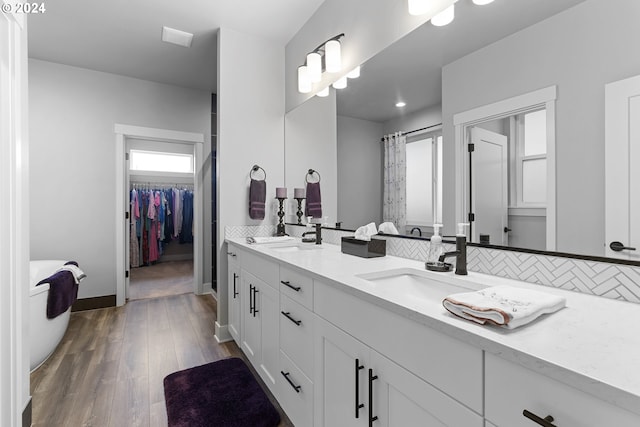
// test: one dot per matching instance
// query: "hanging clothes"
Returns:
(186, 233)
(134, 253)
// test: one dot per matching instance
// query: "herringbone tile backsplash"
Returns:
(603, 279)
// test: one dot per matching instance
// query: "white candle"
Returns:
(298, 193)
(281, 192)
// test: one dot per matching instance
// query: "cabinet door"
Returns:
(340, 378)
(267, 304)
(251, 328)
(402, 399)
(235, 306)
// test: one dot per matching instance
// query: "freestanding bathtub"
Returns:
(44, 334)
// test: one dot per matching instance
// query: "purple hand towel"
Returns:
(63, 291)
(257, 197)
(314, 203)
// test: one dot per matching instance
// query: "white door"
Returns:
(251, 328)
(489, 186)
(622, 175)
(267, 303)
(340, 378)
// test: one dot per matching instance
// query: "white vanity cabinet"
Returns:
(260, 316)
(233, 281)
(511, 389)
(357, 386)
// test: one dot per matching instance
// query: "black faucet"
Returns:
(317, 233)
(416, 228)
(460, 253)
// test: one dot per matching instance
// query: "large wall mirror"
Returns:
(489, 54)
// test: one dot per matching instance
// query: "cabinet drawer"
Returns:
(296, 393)
(446, 363)
(511, 388)
(297, 286)
(296, 334)
(263, 269)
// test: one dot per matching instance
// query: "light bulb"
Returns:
(445, 17)
(332, 56)
(304, 84)
(355, 73)
(419, 7)
(314, 67)
(341, 83)
(482, 2)
(324, 92)
(401, 104)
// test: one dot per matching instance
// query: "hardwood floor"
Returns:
(161, 280)
(109, 368)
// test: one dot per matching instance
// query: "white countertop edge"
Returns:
(603, 379)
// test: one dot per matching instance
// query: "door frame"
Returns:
(122, 133)
(462, 122)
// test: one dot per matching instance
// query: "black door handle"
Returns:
(358, 404)
(255, 291)
(372, 418)
(507, 229)
(235, 293)
(545, 422)
(251, 299)
(618, 246)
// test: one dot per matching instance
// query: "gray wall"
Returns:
(72, 154)
(359, 172)
(579, 50)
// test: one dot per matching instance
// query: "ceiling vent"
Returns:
(181, 38)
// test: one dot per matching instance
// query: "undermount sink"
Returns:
(296, 247)
(419, 284)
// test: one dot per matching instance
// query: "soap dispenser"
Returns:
(461, 249)
(435, 246)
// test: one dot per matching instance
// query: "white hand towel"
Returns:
(505, 306)
(366, 231)
(272, 239)
(388, 228)
(78, 274)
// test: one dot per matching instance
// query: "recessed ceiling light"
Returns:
(181, 38)
(401, 104)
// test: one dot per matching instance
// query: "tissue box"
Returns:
(373, 248)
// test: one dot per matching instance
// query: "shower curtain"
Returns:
(394, 196)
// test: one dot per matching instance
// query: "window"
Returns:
(156, 161)
(530, 159)
(424, 182)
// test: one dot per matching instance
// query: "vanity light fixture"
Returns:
(445, 17)
(482, 2)
(326, 57)
(324, 92)
(341, 83)
(355, 73)
(419, 7)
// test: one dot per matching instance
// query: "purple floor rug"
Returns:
(218, 394)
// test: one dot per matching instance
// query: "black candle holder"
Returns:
(280, 227)
(299, 212)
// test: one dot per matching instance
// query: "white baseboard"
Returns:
(222, 333)
(207, 288)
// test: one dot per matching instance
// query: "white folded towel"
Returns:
(78, 274)
(388, 228)
(270, 239)
(505, 306)
(366, 231)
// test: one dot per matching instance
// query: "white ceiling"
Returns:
(123, 36)
(411, 69)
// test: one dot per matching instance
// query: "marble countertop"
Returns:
(593, 344)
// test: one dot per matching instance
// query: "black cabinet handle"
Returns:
(358, 404)
(546, 421)
(232, 254)
(372, 378)
(287, 315)
(251, 299)
(618, 246)
(291, 383)
(507, 229)
(287, 283)
(235, 293)
(255, 291)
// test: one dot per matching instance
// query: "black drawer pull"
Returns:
(358, 404)
(372, 378)
(287, 283)
(251, 307)
(617, 246)
(545, 422)
(286, 377)
(235, 293)
(231, 253)
(255, 291)
(287, 315)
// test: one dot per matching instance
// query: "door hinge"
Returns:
(471, 147)
(126, 215)
(126, 274)
(126, 156)
(472, 217)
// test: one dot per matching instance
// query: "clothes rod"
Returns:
(417, 130)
